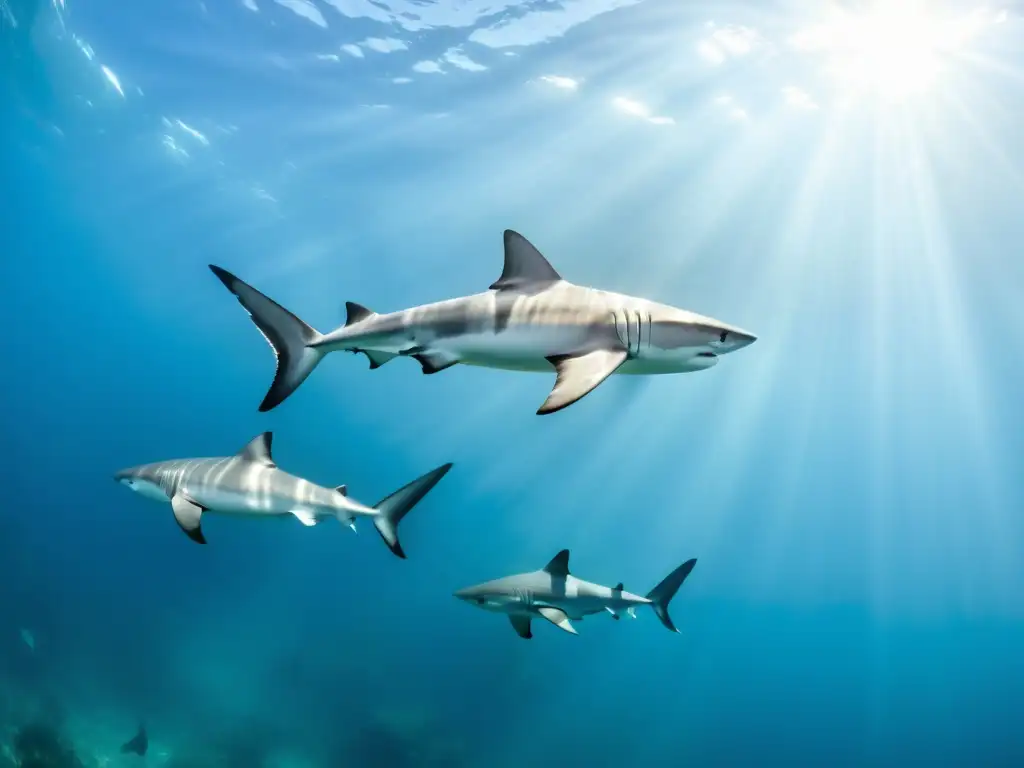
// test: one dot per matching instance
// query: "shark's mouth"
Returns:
(706, 354)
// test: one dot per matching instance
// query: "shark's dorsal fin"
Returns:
(342, 489)
(525, 267)
(258, 450)
(618, 587)
(356, 312)
(559, 565)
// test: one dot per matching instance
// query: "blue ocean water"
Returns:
(849, 484)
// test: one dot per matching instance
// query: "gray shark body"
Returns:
(528, 320)
(250, 484)
(554, 594)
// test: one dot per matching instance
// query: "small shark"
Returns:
(554, 594)
(138, 744)
(530, 319)
(250, 484)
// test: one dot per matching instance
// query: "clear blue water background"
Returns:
(850, 484)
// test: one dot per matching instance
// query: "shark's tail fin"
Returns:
(662, 594)
(396, 506)
(288, 336)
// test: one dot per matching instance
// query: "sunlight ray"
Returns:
(968, 383)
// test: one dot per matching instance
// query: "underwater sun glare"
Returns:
(895, 50)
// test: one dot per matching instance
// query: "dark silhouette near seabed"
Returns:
(139, 743)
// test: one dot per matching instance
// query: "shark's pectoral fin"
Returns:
(304, 516)
(579, 374)
(435, 362)
(521, 624)
(558, 618)
(188, 514)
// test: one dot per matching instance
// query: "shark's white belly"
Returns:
(519, 347)
(528, 348)
(226, 502)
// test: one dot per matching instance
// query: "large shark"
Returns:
(530, 319)
(250, 484)
(554, 594)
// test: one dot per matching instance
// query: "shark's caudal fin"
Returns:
(662, 594)
(396, 506)
(289, 337)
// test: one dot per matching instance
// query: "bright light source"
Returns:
(896, 49)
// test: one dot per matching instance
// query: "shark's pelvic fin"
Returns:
(559, 565)
(257, 450)
(525, 268)
(342, 489)
(662, 594)
(580, 374)
(392, 509)
(617, 588)
(521, 624)
(305, 516)
(558, 618)
(188, 514)
(435, 362)
(289, 337)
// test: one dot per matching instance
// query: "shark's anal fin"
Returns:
(558, 618)
(580, 374)
(521, 624)
(558, 565)
(257, 450)
(304, 516)
(356, 313)
(525, 268)
(188, 514)
(434, 362)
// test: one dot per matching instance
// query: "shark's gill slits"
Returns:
(631, 331)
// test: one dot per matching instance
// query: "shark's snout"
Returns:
(742, 339)
(731, 339)
(469, 595)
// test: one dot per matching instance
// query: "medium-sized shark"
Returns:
(554, 594)
(250, 484)
(530, 319)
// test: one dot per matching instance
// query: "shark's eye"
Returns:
(724, 335)
(480, 601)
